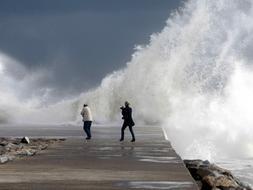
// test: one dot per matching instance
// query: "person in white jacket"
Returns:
(87, 120)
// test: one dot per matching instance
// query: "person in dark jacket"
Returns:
(128, 121)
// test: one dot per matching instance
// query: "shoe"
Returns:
(121, 140)
(133, 140)
(88, 138)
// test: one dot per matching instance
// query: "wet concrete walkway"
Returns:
(102, 163)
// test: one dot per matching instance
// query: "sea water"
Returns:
(241, 168)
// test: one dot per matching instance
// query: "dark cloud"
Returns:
(9, 7)
(78, 41)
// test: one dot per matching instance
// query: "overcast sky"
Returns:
(79, 41)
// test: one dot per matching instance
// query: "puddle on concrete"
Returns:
(160, 159)
(143, 154)
(161, 150)
(109, 156)
(104, 158)
(140, 151)
(179, 185)
(105, 148)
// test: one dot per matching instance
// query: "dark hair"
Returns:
(85, 105)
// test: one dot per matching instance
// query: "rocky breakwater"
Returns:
(13, 148)
(212, 177)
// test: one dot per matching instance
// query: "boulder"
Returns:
(3, 142)
(203, 172)
(210, 176)
(26, 152)
(12, 147)
(11, 157)
(3, 159)
(2, 150)
(43, 147)
(192, 163)
(220, 182)
(30, 152)
(25, 140)
(220, 170)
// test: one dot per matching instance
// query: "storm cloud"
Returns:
(77, 42)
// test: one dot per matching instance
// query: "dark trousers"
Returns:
(124, 126)
(86, 128)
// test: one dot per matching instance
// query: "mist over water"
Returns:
(22, 100)
(194, 79)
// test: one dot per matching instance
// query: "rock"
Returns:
(203, 172)
(12, 147)
(220, 170)
(10, 157)
(25, 140)
(3, 159)
(26, 152)
(199, 183)
(192, 163)
(2, 150)
(30, 152)
(206, 162)
(212, 177)
(43, 147)
(3, 142)
(220, 182)
(16, 141)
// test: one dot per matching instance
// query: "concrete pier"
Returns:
(102, 163)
